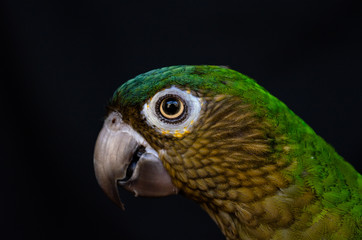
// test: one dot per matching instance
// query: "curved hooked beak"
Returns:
(123, 157)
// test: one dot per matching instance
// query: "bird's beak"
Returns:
(123, 157)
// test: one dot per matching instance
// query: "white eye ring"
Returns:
(190, 107)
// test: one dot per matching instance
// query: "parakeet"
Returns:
(215, 136)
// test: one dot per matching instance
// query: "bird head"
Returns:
(207, 132)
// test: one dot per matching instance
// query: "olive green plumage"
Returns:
(249, 161)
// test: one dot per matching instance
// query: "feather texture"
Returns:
(255, 167)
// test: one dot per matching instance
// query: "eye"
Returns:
(171, 108)
(172, 111)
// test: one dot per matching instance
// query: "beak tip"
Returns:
(114, 197)
(112, 192)
(120, 205)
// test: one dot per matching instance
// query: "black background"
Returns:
(62, 60)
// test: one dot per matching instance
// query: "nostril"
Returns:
(114, 121)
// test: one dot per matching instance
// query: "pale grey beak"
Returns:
(123, 157)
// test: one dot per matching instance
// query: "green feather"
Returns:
(335, 183)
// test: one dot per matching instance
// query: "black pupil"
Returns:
(171, 106)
